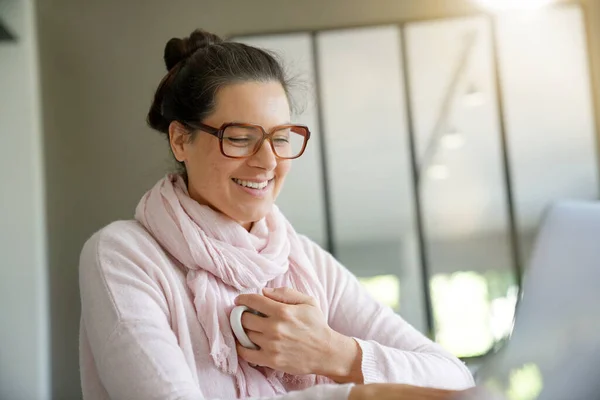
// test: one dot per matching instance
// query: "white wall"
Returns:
(24, 347)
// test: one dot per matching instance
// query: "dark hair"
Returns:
(198, 66)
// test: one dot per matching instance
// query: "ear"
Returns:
(178, 137)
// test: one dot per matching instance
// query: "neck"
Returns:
(196, 196)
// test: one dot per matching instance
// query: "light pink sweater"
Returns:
(141, 339)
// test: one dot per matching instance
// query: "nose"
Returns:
(265, 157)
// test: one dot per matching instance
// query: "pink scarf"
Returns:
(223, 260)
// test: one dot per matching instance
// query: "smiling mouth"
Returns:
(252, 185)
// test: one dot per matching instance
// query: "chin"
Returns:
(255, 214)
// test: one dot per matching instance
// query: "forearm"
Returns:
(362, 362)
(390, 349)
(433, 367)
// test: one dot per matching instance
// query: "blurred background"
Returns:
(442, 130)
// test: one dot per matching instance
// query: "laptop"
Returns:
(553, 352)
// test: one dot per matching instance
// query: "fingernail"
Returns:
(268, 290)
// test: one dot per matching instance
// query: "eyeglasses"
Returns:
(238, 140)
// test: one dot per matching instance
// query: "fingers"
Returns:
(428, 393)
(249, 355)
(257, 338)
(400, 391)
(271, 303)
(263, 356)
(259, 303)
(253, 322)
(288, 296)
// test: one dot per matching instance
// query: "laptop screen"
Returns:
(553, 352)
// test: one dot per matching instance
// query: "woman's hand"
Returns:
(391, 391)
(294, 337)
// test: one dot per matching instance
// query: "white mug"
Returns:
(235, 319)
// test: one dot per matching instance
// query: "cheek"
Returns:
(219, 173)
(208, 168)
(282, 170)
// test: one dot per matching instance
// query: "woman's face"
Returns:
(216, 180)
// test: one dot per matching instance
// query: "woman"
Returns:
(157, 292)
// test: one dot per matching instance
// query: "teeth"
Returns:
(253, 185)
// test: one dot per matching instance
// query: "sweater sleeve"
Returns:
(125, 317)
(392, 350)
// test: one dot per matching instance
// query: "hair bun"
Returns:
(178, 49)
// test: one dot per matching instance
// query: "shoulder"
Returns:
(308, 246)
(324, 263)
(315, 252)
(122, 245)
(123, 273)
(119, 236)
